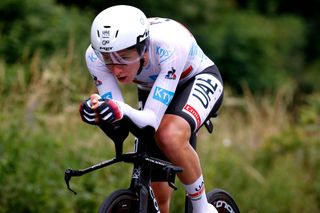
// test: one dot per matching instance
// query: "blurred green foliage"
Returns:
(264, 53)
(28, 26)
(260, 46)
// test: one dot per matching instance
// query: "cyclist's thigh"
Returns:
(197, 98)
(193, 101)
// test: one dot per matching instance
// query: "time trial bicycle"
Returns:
(139, 197)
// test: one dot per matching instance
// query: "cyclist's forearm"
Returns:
(141, 118)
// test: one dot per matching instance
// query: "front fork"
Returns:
(153, 202)
(141, 183)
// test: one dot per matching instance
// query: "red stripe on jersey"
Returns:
(186, 72)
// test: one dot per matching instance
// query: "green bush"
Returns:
(248, 48)
(34, 157)
(290, 163)
(28, 26)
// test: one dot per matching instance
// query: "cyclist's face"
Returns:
(123, 64)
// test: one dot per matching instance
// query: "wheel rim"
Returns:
(222, 201)
(222, 206)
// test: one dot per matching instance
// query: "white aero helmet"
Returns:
(118, 28)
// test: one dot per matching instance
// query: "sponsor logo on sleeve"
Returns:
(163, 53)
(92, 57)
(107, 95)
(171, 74)
(96, 80)
(162, 95)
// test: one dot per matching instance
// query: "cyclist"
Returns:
(178, 87)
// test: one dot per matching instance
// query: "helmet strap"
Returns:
(141, 65)
(141, 48)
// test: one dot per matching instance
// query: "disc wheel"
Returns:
(121, 201)
(223, 201)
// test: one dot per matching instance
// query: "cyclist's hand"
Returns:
(88, 114)
(110, 111)
(88, 109)
(96, 100)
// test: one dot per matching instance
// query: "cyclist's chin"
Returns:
(125, 80)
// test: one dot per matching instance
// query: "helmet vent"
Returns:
(116, 33)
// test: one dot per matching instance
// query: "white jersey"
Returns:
(174, 57)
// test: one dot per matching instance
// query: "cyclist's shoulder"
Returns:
(164, 30)
(90, 55)
(94, 64)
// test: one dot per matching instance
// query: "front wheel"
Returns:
(223, 201)
(121, 201)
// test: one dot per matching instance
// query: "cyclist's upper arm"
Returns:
(104, 80)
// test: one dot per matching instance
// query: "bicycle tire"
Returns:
(223, 201)
(120, 201)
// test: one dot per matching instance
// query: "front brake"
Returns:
(67, 177)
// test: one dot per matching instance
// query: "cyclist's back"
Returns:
(171, 45)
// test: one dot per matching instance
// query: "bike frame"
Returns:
(142, 168)
(141, 174)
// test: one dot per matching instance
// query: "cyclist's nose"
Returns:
(116, 70)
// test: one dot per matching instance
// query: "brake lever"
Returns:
(171, 172)
(67, 177)
(172, 185)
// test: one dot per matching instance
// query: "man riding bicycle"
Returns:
(178, 88)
